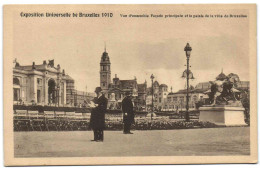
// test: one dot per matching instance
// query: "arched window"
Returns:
(51, 91)
(16, 89)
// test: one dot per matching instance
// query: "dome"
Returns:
(105, 57)
(163, 85)
(105, 54)
(156, 83)
(221, 76)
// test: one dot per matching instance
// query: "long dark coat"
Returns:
(97, 118)
(127, 107)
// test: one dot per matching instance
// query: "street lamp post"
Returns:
(187, 50)
(152, 77)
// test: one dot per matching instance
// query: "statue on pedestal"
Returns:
(223, 92)
(225, 108)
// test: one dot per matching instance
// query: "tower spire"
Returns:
(105, 71)
(105, 47)
(222, 70)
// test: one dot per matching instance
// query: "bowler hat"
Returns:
(98, 89)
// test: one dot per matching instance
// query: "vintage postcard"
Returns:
(130, 84)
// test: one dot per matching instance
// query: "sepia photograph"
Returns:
(129, 84)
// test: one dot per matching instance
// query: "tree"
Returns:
(245, 100)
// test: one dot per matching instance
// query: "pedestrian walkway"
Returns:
(185, 142)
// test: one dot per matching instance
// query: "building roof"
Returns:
(163, 85)
(141, 88)
(69, 78)
(156, 83)
(127, 84)
(42, 67)
(105, 58)
(184, 91)
(203, 85)
(29, 67)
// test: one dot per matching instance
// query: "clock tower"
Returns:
(105, 71)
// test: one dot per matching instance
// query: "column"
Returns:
(33, 90)
(45, 84)
(65, 93)
(60, 94)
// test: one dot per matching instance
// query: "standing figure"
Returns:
(128, 113)
(97, 119)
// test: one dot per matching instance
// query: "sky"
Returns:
(138, 47)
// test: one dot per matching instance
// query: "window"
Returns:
(16, 81)
(16, 93)
(39, 81)
(38, 96)
(16, 89)
(160, 100)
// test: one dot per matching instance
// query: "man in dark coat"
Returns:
(97, 119)
(128, 113)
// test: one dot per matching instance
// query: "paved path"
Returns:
(186, 142)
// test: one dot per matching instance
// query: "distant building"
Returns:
(160, 94)
(177, 100)
(243, 86)
(70, 97)
(44, 84)
(115, 90)
(142, 96)
(81, 98)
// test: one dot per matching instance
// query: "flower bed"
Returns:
(160, 125)
(142, 124)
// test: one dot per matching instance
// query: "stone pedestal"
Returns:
(223, 115)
